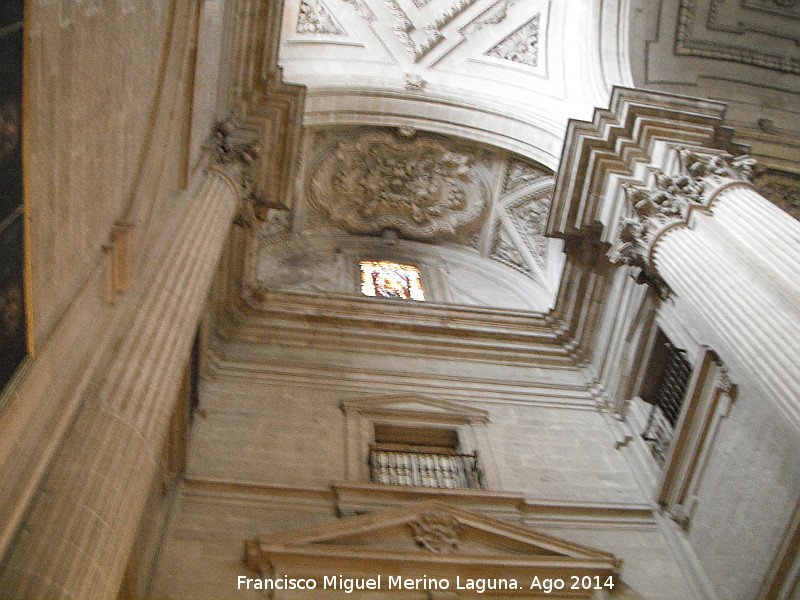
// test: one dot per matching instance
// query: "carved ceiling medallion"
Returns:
(419, 187)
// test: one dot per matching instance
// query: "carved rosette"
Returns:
(418, 187)
(668, 204)
(436, 532)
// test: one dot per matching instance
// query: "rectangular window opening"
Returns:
(668, 375)
(422, 456)
(386, 279)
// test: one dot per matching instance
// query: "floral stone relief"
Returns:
(419, 187)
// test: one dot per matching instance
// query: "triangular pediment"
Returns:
(430, 537)
(416, 405)
(434, 526)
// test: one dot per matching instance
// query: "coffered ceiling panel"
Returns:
(507, 72)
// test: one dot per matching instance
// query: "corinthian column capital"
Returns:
(669, 201)
(234, 153)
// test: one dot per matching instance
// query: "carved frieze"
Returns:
(520, 174)
(420, 186)
(436, 532)
(522, 46)
(497, 13)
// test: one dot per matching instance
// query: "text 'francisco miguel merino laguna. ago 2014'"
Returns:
(478, 585)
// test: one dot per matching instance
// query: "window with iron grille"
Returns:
(425, 457)
(665, 388)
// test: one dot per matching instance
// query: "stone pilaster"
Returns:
(77, 535)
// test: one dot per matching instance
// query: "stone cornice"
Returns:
(267, 104)
(621, 144)
(353, 323)
(355, 498)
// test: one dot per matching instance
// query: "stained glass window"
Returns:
(387, 279)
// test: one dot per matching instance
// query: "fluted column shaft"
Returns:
(738, 267)
(77, 536)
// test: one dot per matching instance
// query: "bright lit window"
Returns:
(385, 279)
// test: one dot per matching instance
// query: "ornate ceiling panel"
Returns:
(402, 183)
(714, 29)
(420, 186)
(507, 72)
(743, 52)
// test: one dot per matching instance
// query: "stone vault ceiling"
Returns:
(419, 196)
(505, 72)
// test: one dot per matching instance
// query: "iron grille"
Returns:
(670, 392)
(424, 468)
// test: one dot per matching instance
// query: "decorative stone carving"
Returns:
(530, 216)
(522, 46)
(227, 150)
(237, 158)
(780, 188)
(313, 17)
(407, 131)
(680, 515)
(420, 187)
(362, 9)
(496, 14)
(275, 227)
(436, 532)
(504, 251)
(520, 174)
(669, 204)
(726, 384)
(414, 82)
(432, 30)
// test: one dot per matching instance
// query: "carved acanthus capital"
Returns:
(228, 150)
(669, 203)
(236, 158)
(717, 167)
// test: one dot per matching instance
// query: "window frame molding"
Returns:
(414, 410)
(708, 400)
